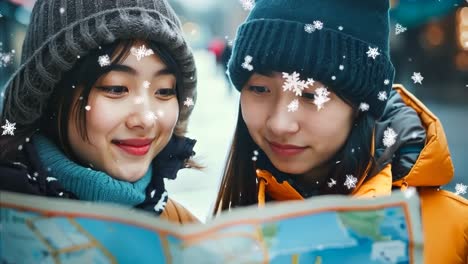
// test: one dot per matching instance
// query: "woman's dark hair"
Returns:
(54, 121)
(239, 183)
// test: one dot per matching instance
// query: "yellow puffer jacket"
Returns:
(444, 214)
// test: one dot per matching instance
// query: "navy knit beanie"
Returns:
(341, 43)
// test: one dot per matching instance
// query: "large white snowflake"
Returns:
(373, 52)
(141, 52)
(293, 83)
(460, 188)
(389, 137)
(9, 128)
(350, 181)
(321, 97)
(246, 64)
(364, 107)
(309, 28)
(399, 29)
(331, 183)
(188, 102)
(247, 4)
(382, 96)
(417, 77)
(293, 106)
(104, 60)
(318, 24)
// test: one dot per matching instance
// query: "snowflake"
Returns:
(247, 4)
(386, 81)
(321, 97)
(341, 67)
(88, 107)
(141, 52)
(382, 96)
(417, 77)
(188, 102)
(309, 28)
(399, 29)
(50, 179)
(293, 106)
(364, 107)
(340, 28)
(373, 52)
(350, 181)
(389, 137)
(246, 64)
(6, 58)
(146, 84)
(293, 83)
(331, 183)
(104, 60)
(9, 128)
(318, 24)
(139, 100)
(151, 116)
(62, 10)
(460, 188)
(310, 81)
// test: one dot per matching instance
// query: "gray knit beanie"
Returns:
(62, 31)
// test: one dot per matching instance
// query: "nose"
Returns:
(141, 115)
(281, 122)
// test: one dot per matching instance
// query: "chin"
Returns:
(289, 167)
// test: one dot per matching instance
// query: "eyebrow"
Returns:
(128, 69)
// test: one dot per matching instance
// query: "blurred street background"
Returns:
(427, 36)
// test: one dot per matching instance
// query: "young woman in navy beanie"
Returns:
(319, 114)
(97, 109)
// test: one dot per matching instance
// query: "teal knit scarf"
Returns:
(86, 183)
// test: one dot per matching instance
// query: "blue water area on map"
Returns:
(128, 244)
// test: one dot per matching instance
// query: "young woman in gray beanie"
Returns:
(318, 115)
(98, 108)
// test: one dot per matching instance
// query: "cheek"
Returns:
(253, 113)
(167, 113)
(102, 118)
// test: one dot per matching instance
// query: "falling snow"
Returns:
(460, 188)
(9, 128)
(6, 58)
(318, 24)
(146, 84)
(382, 96)
(293, 106)
(292, 82)
(350, 181)
(141, 52)
(417, 77)
(399, 29)
(62, 10)
(310, 82)
(88, 108)
(139, 100)
(331, 183)
(188, 102)
(341, 67)
(151, 116)
(104, 60)
(389, 137)
(309, 28)
(364, 107)
(386, 82)
(340, 28)
(373, 52)
(321, 97)
(248, 5)
(246, 64)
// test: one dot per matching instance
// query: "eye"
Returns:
(113, 90)
(308, 96)
(166, 92)
(258, 89)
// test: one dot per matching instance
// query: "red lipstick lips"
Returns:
(134, 146)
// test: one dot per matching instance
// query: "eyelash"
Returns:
(254, 88)
(164, 92)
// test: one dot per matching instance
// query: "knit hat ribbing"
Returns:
(62, 30)
(274, 36)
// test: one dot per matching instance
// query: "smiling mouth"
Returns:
(136, 147)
